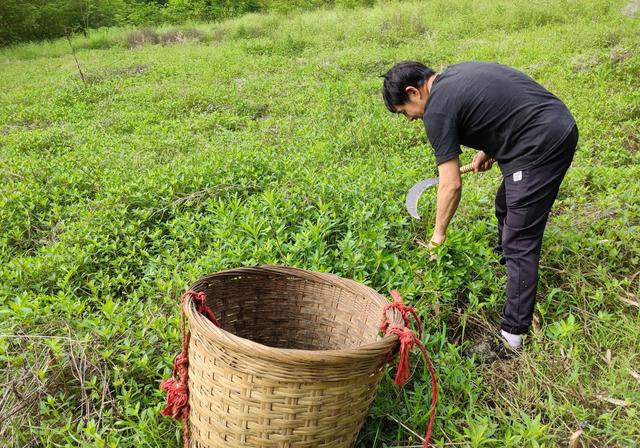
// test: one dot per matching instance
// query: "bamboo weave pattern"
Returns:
(295, 364)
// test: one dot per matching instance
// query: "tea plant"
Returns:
(264, 139)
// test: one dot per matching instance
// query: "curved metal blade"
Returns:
(414, 195)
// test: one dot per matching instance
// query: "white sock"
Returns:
(514, 340)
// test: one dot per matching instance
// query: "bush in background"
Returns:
(33, 20)
(47, 19)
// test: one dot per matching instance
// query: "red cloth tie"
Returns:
(177, 387)
(408, 339)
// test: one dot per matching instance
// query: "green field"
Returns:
(265, 140)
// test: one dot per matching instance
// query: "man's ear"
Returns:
(412, 91)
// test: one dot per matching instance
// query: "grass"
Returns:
(264, 140)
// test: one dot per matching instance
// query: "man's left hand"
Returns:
(482, 162)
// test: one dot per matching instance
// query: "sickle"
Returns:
(416, 191)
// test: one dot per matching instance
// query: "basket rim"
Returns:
(289, 355)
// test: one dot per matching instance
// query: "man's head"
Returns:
(405, 90)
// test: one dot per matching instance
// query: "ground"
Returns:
(265, 140)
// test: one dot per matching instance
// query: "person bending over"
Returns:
(512, 120)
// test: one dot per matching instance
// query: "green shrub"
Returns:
(263, 139)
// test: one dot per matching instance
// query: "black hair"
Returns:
(401, 76)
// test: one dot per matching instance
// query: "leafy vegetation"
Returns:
(31, 20)
(264, 139)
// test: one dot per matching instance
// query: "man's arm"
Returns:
(449, 189)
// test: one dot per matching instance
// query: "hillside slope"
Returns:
(265, 140)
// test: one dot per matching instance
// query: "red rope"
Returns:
(407, 340)
(177, 386)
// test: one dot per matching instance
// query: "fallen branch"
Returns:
(614, 401)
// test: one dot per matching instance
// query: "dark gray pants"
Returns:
(523, 202)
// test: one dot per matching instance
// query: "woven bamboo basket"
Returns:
(295, 363)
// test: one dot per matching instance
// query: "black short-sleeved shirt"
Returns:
(498, 110)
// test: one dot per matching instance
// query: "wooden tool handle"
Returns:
(466, 168)
(469, 167)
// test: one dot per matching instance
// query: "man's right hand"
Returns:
(435, 241)
(482, 162)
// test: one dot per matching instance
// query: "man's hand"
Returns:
(482, 162)
(436, 240)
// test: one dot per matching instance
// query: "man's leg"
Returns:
(501, 214)
(522, 242)
(529, 197)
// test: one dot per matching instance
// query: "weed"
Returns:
(145, 36)
(263, 139)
